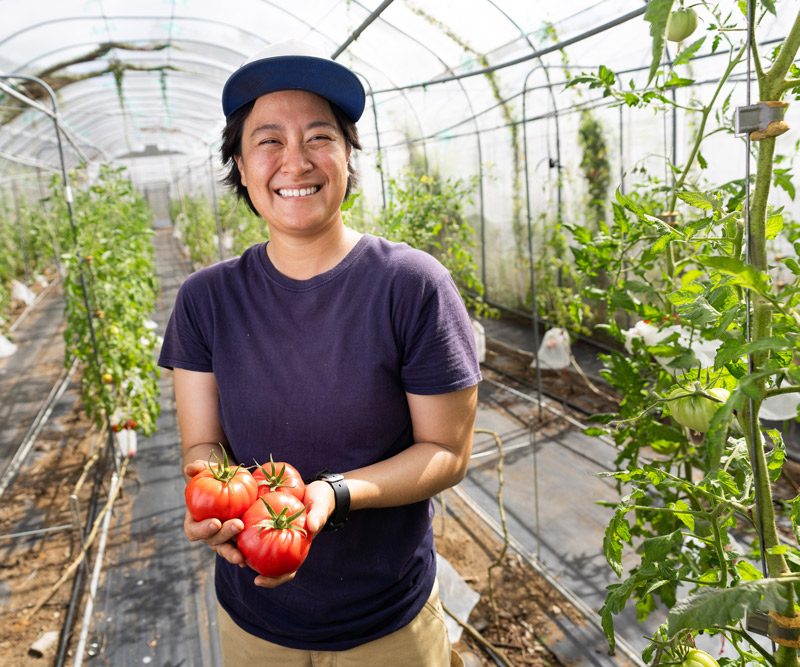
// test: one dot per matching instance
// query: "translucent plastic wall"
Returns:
(474, 89)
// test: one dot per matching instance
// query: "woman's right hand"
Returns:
(221, 537)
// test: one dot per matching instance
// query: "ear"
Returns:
(240, 166)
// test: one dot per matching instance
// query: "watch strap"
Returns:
(341, 496)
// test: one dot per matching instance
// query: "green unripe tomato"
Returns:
(695, 412)
(682, 23)
(697, 658)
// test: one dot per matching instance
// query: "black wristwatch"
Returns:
(341, 495)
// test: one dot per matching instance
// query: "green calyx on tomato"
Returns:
(694, 410)
(682, 23)
(220, 492)
(286, 478)
(282, 521)
(696, 658)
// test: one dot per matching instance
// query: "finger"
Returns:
(200, 530)
(194, 467)
(316, 520)
(230, 553)
(321, 503)
(273, 582)
(229, 530)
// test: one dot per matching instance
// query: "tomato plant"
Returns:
(30, 242)
(220, 492)
(115, 339)
(689, 258)
(279, 477)
(275, 541)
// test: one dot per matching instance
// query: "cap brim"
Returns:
(324, 77)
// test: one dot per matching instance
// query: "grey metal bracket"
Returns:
(762, 624)
(761, 120)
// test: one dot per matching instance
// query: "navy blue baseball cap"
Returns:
(294, 65)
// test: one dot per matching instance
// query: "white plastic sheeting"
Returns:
(472, 89)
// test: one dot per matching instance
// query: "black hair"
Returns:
(232, 148)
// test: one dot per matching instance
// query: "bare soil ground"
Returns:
(526, 605)
(31, 565)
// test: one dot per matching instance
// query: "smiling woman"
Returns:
(330, 350)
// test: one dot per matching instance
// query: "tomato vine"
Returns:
(689, 262)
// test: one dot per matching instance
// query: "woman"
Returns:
(332, 351)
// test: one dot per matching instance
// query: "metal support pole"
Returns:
(534, 307)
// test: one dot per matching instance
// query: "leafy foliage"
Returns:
(694, 308)
(115, 339)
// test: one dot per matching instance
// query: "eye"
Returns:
(321, 137)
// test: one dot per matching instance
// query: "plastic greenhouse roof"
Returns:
(145, 77)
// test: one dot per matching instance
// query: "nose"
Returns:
(295, 159)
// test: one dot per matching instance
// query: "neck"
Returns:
(302, 258)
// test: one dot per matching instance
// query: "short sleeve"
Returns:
(185, 345)
(440, 354)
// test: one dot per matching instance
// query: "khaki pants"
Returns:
(422, 643)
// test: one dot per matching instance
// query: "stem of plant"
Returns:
(770, 89)
(501, 456)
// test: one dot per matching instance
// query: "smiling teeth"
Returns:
(302, 192)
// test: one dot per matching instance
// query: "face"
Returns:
(294, 162)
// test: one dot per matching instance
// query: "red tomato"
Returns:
(220, 492)
(279, 477)
(275, 541)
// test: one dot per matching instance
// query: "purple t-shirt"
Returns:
(315, 373)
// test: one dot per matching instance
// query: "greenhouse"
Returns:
(399, 332)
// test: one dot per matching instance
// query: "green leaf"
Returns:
(607, 621)
(594, 431)
(676, 81)
(686, 294)
(700, 312)
(701, 161)
(794, 513)
(783, 179)
(775, 456)
(685, 55)
(619, 531)
(730, 349)
(701, 200)
(741, 273)
(711, 607)
(662, 243)
(620, 219)
(657, 15)
(747, 571)
(774, 225)
(686, 360)
(657, 548)
(680, 507)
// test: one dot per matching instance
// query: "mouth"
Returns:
(290, 193)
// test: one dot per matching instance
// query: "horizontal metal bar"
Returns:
(40, 531)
